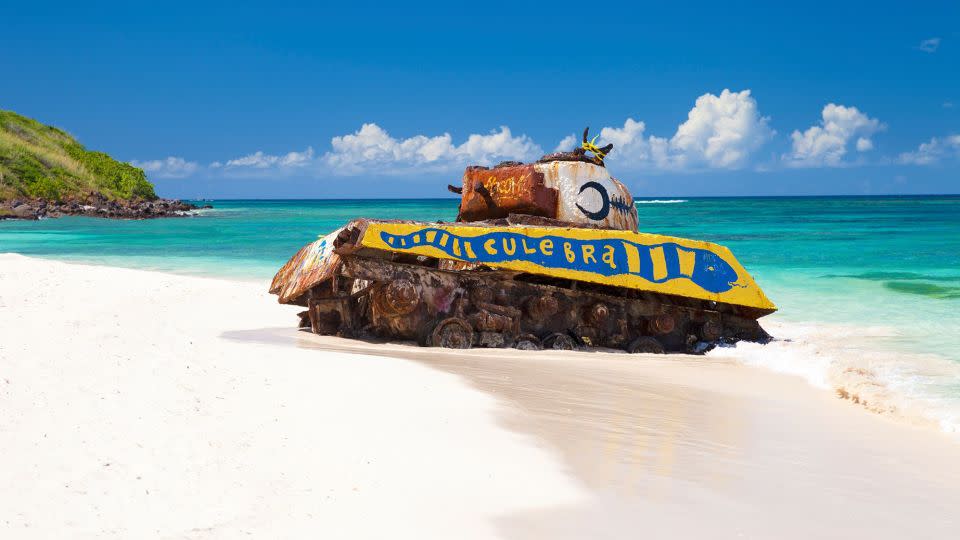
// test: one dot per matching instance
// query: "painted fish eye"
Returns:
(710, 268)
(604, 201)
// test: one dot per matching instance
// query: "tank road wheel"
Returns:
(542, 307)
(397, 298)
(559, 342)
(711, 331)
(663, 324)
(452, 333)
(597, 314)
(645, 344)
(528, 342)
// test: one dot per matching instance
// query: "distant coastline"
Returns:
(645, 199)
(45, 172)
(95, 205)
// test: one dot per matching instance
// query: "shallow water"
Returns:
(854, 277)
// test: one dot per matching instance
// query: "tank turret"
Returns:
(571, 187)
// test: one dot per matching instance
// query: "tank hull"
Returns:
(503, 283)
(649, 262)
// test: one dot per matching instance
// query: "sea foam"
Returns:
(852, 362)
(661, 201)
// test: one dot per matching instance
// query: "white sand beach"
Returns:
(136, 404)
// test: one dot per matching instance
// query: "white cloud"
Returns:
(632, 147)
(567, 144)
(826, 144)
(371, 146)
(933, 151)
(372, 149)
(947, 104)
(720, 132)
(497, 146)
(259, 160)
(929, 45)
(171, 167)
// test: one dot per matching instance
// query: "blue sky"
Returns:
(355, 99)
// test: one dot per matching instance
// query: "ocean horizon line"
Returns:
(643, 198)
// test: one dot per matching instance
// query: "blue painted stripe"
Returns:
(606, 257)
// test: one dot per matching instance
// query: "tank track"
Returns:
(391, 296)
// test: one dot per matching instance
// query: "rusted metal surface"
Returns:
(623, 259)
(573, 192)
(313, 264)
(501, 191)
(452, 333)
(596, 155)
(357, 291)
(493, 311)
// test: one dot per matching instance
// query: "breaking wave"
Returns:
(661, 201)
(919, 388)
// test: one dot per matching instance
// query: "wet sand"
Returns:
(140, 404)
(687, 446)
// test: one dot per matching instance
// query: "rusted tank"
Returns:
(543, 255)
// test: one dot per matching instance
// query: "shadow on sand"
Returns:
(624, 430)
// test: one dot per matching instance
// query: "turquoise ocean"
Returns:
(868, 287)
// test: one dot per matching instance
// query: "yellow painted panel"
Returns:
(642, 261)
(633, 257)
(659, 263)
(687, 260)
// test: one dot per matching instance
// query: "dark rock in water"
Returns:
(24, 211)
(95, 205)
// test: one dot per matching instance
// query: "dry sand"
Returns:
(136, 404)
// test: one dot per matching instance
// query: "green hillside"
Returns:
(39, 161)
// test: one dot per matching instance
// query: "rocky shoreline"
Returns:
(95, 206)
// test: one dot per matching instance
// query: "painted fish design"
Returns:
(656, 263)
(621, 205)
(617, 202)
